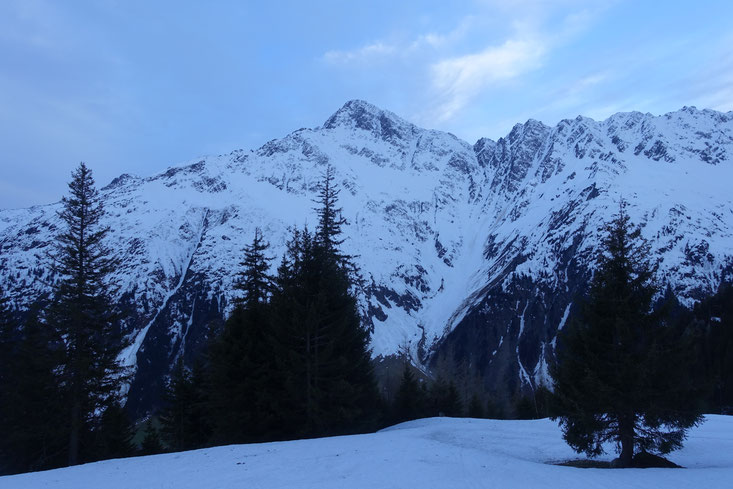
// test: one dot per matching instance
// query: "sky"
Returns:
(131, 86)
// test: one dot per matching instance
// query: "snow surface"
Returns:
(429, 453)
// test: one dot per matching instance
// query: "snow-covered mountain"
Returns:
(476, 251)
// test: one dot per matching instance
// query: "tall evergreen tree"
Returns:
(320, 346)
(241, 366)
(82, 312)
(330, 218)
(622, 370)
(255, 280)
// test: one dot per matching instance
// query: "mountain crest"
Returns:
(358, 114)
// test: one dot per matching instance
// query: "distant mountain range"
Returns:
(476, 250)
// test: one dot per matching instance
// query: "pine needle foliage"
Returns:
(82, 312)
(622, 368)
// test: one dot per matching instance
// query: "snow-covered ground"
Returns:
(429, 453)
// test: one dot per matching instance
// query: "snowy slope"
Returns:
(436, 453)
(477, 250)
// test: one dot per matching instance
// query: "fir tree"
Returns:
(320, 346)
(444, 399)
(184, 420)
(151, 443)
(112, 435)
(82, 312)
(255, 281)
(241, 365)
(330, 218)
(622, 370)
(32, 421)
(410, 399)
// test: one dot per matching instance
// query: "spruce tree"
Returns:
(241, 366)
(622, 371)
(151, 443)
(321, 348)
(410, 399)
(184, 419)
(112, 435)
(82, 312)
(444, 399)
(255, 281)
(330, 218)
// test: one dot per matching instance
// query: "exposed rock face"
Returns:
(478, 250)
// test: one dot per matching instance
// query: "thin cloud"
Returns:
(458, 80)
(370, 51)
(381, 49)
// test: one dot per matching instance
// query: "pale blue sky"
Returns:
(137, 86)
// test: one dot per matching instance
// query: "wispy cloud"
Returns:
(384, 49)
(458, 80)
(373, 50)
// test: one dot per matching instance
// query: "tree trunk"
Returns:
(626, 437)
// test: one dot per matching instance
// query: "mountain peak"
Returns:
(358, 114)
(358, 111)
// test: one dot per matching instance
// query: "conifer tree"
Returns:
(410, 399)
(713, 318)
(444, 399)
(112, 435)
(622, 371)
(330, 218)
(32, 421)
(321, 348)
(151, 443)
(184, 420)
(241, 366)
(82, 312)
(255, 280)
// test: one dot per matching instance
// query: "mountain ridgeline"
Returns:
(474, 253)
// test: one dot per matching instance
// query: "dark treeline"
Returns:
(292, 360)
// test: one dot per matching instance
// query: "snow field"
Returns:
(428, 453)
